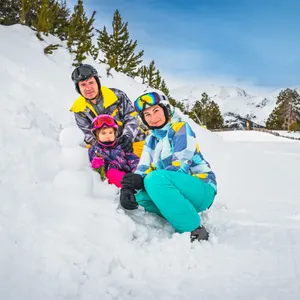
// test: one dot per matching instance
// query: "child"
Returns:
(106, 152)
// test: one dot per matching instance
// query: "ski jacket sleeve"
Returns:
(184, 145)
(145, 165)
(92, 152)
(132, 161)
(131, 125)
(85, 125)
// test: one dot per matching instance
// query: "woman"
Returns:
(174, 180)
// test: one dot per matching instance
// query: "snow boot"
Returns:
(200, 234)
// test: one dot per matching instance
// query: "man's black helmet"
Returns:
(83, 72)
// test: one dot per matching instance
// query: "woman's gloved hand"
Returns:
(133, 181)
(127, 199)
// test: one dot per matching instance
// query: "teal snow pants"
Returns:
(177, 197)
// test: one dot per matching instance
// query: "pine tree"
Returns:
(214, 119)
(197, 112)
(295, 126)
(286, 112)
(42, 23)
(80, 33)
(10, 12)
(157, 80)
(276, 118)
(26, 5)
(151, 74)
(94, 52)
(290, 100)
(143, 73)
(49, 49)
(59, 15)
(163, 87)
(207, 112)
(118, 49)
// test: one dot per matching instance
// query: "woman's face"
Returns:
(154, 116)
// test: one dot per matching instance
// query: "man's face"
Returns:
(88, 88)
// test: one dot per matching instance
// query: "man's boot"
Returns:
(200, 234)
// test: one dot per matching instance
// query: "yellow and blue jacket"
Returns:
(174, 147)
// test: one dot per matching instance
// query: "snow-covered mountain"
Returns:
(64, 236)
(251, 103)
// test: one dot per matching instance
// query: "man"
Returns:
(96, 99)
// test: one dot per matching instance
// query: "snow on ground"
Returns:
(254, 136)
(292, 134)
(63, 235)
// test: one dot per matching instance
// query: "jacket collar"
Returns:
(109, 98)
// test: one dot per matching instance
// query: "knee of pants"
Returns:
(154, 177)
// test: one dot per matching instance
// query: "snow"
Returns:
(64, 236)
(253, 136)
(291, 134)
(255, 104)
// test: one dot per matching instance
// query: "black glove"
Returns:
(126, 143)
(127, 199)
(133, 181)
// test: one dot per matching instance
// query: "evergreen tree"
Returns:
(286, 112)
(94, 52)
(295, 126)
(42, 22)
(119, 49)
(10, 12)
(143, 73)
(49, 49)
(157, 81)
(26, 5)
(207, 112)
(197, 112)
(104, 40)
(163, 87)
(151, 74)
(214, 119)
(80, 33)
(60, 18)
(290, 101)
(276, 118)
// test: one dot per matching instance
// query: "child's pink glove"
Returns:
(97, 162)
(114, 177)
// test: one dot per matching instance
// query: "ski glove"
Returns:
(126, 143)
(133, 181)
(127, 199)
(97, 162)
(115, 176)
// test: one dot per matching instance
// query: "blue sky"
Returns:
(243, 42)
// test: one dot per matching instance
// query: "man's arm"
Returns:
(85, 126)
(131, 124)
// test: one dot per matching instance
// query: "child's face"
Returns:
(106, 135)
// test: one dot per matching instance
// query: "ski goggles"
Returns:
(148, 99)
(82, 73)
(104, 121)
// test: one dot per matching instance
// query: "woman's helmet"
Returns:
(149, 99)
(104, 121)
(83, 72)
